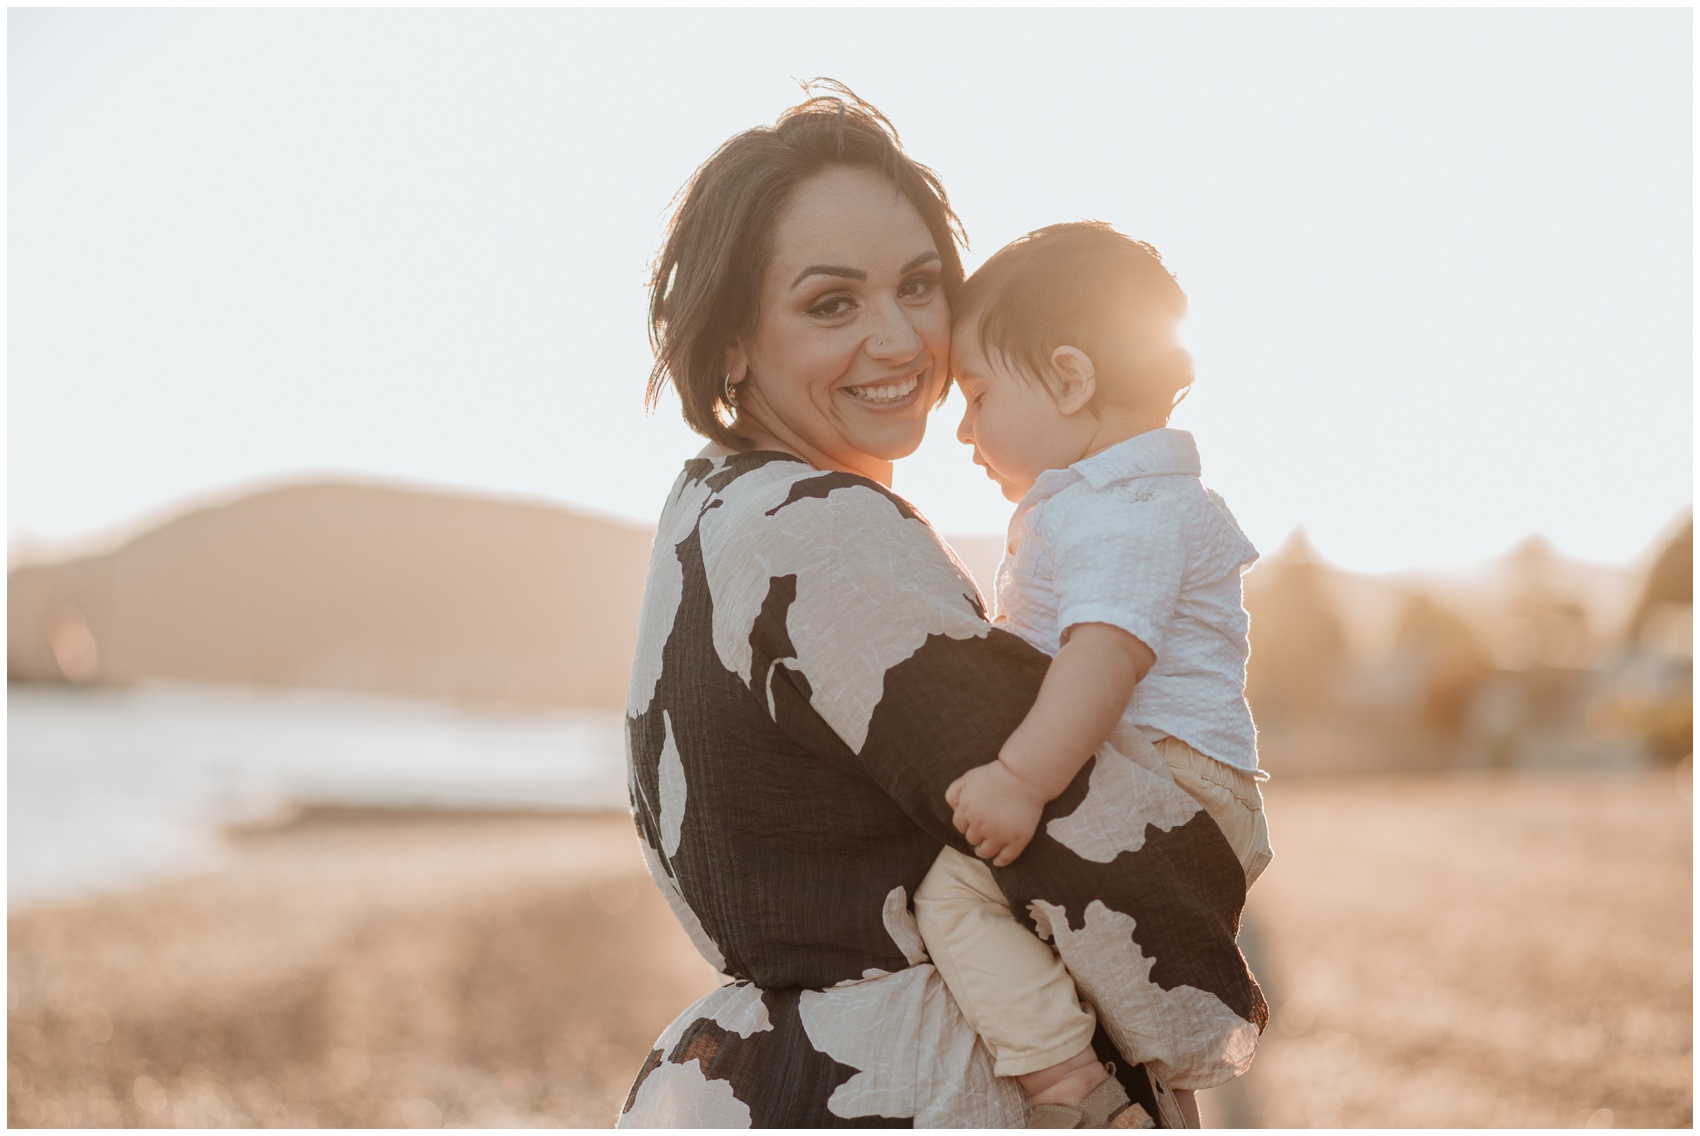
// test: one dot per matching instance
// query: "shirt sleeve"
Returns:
(891, 665)
(1119, 556)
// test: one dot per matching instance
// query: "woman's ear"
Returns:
(737, 364)
(1076, 379)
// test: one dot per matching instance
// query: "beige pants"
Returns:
(1011, 986)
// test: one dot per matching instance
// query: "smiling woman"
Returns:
(810, 254)
(814, 667)
(850, 353)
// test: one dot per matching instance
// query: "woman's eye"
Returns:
(918, 286)
(830, 306)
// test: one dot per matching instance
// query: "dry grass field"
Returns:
(1478, 952)
(1439, 952)
(356, 972)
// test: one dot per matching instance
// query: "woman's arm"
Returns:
(1084, 695)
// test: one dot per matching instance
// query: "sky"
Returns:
(1439, 260)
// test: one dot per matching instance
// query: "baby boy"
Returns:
(1122, 566)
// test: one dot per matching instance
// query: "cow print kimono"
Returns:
(813, 669)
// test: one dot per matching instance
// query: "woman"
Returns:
(814, 668)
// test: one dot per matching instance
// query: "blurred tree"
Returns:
(1648, 692)
(1548, 627)
(1437, 646)
(1297, 638)
(1671, 579)
(1662, 635)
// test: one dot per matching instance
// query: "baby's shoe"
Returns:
(1106, 1106)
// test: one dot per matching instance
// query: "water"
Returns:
(107, 787)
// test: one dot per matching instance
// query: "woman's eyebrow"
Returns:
(857, 273)
(829, 270)
(930, 254)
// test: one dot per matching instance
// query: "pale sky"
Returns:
(1439, 261)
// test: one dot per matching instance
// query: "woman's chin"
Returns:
(894, 442)
(888, 435)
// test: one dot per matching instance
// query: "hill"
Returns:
(351, 587)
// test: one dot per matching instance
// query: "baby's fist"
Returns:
(995, 810)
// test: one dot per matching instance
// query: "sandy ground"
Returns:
(1463, 952)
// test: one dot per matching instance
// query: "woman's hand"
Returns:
(996, 810)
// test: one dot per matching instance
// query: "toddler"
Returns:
(1126, 569)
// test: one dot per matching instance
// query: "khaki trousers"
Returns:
(1011, 986)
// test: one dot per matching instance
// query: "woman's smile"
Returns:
(887, 395)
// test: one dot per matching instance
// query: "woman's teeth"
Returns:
(888, 392)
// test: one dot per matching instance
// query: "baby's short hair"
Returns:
(1084, 285)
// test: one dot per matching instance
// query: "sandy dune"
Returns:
(1459, 952)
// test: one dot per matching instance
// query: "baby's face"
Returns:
(1012, 422)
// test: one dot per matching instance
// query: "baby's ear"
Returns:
(1076, 379)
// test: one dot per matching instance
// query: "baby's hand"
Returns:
(996, 810)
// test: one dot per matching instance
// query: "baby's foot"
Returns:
(1106, 1106)
(1068, 1083)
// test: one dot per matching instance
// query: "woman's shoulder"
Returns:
(764, 496)
(769, 513)
(831, 571)
(717, 471)
(761, 472)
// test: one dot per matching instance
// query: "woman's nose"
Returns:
(893, 337)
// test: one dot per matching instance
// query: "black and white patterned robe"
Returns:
(813, 669)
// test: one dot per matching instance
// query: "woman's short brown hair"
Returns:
(1082, 284)
(704, 290)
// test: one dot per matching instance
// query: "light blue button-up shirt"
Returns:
(1130, 537)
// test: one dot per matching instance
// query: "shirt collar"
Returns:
(1155, 452)
(1151, 454)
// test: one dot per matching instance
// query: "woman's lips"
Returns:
(885, 394)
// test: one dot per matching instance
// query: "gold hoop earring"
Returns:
(726, 389)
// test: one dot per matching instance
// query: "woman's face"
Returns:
(853, 339)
